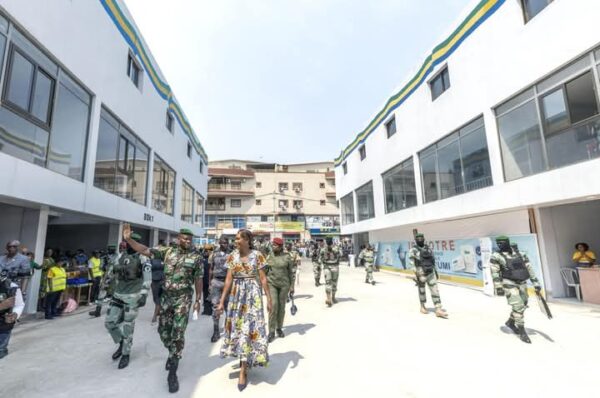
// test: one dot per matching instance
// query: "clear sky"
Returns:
(288, 81)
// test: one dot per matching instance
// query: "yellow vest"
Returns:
(59, 279)
(96, 271)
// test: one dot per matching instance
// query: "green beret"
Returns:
(419, 235)
(136, 237)
(186, 231)
(501, 237)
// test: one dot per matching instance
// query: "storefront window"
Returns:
(163, 190)
(364, 201)
(399, 187)
(347, 204)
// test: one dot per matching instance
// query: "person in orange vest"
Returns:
(95, 270)
(56, 284)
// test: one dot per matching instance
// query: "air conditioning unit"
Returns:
(298, 190)
(298, 207)
(283, 207)
(282, 189)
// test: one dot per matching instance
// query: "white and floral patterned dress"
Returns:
(245, 334)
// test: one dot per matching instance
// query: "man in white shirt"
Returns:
(11, 307)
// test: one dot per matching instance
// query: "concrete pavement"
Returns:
(373, 343)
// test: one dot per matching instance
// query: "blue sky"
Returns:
(288, 81)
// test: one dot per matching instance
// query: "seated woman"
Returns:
(583, 256)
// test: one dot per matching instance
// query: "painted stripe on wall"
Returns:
(484, 10)
(162, 88)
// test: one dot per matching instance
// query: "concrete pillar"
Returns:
(154, 237)
(33, 235)
(115, 233)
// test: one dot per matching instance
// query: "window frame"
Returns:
(322, 185)
(444, 70)
(298, 204)
(388, 124)
(27, 113)
(258, 184)
(231, 201)
(526, 16)
(133, 62)
(258, 202)
(400, 166)
(201, 169)
(345, 168)
(189, 150)
(170, 122)
(323, 202)
(283, 186)
(362, 152)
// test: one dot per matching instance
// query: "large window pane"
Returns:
(520, 141)
(69, 134)
(106, 167)
(20, 81)
(42, 97)
(347, 207)
(399, 187)
(477, 171)
(534, 7)
(429, 177)
(199, 210)
(450, 170)
(574, 145)
(582, 98)
(187, 202)
(554, 107)
(364, 201)
(163, 191)
(140, 174)
(22, 139)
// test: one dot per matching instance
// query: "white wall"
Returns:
(82, 37)
(499, 59)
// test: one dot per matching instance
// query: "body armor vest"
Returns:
(129, 268)
(515, 269)
(426, 259)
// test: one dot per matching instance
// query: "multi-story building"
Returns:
(497, 131)
(91, 134)
(295, 201)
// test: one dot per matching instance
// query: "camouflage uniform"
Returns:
(317, 267)
(131, 283)
(182, 268)
(295, 256)
(424, 277)
(515, 290)
(330, 260)
(218, 268)
(280, 276)
(368, 256)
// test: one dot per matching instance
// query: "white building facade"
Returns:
(91, 134)
(497, 132)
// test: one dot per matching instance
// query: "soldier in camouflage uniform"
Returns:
(368, 256)
(510, 272)
(329, 257)
(280, 275)
(317, 267)
(422, 260)
(183, 269)
(218, 273)
(131, 284)
(296, 260)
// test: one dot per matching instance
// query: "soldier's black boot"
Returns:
(124, 361)
(119, 352)
(333, 299)
(216, 335)
(280, 333)
(207, 308)
(168, 364)
(523, 335)
(511, 325)
(271, 337)
(96, 312)
(172, 378)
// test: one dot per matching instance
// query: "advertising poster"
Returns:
(458, 260)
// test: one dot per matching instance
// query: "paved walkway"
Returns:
(374, 343)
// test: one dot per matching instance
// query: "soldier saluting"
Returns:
(510, 272)
(183, 269)
(422, 260)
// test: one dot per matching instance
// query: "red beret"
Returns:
(278, 241)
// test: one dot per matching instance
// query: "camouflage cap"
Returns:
(419, 235)
(136, 237)
(501, 238)
(186, 231)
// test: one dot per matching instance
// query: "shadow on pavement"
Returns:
(303, 296)
(278, 364)
(544, 335)
(344, 299)
(300, 328)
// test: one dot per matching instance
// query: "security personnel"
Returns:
(317, 267)
(207, 305)
(422, 260)
(131, 284)
(295, 255)
(329, 259)
(368, 256)
(218, 273)
(105, 289)
(510, 272)
(11, 307)
(95, 271)
(183, 269)
(279, 277)
(56, 283)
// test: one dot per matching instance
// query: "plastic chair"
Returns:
(571, 279)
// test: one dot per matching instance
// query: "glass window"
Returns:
(201, 166)
(347, 204)
(199, 210)
(116, 156)
(532, 8)
(450, 170)
(258, 202)
(297, 186)
(582, 98)
(364, 202)
(133, 70)
(554, 108)
(20, 81)
(345, 168)
(187, 202)
(390, 127)
(283, 186)
(215, 204)
(211, 221)
(297, 204)
(170, 121)
(520, 142)
(189, 150)
(476, 166)
(258, 184)
(42, 97)
(163, 190)
(399, 187)
(22, 139)
(236, 185)
(440, 83)
(429, 177)
(363, 152)
(236, 203)
(68, 137)
(283, 204)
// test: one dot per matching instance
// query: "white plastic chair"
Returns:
(570, 277)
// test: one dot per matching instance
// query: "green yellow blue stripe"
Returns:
(440, 53)
(132, 38)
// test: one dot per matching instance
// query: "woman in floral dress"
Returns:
(245, 335)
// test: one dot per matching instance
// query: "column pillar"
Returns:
(33, 235)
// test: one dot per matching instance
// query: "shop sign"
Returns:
(256, 226)
(324, 230)
(280, 226)
(462, 260)
(148, 217)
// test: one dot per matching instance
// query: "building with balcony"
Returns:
(295, 201)
(91, 134)
(496, 131)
